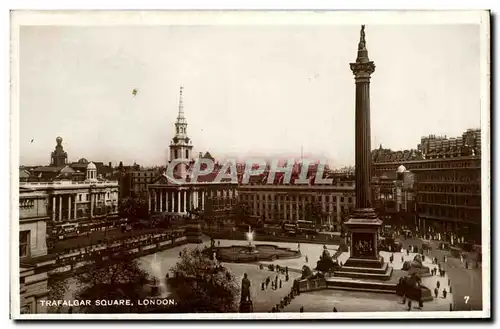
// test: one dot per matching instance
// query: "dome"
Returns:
(83, 161)
(59, 140)
(91, 166)
(401, 169)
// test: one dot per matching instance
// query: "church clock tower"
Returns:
(181, 146)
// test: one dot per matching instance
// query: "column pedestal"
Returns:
(364, 261)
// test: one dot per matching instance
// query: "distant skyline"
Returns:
(248, 90)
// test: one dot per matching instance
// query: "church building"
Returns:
(166, 196)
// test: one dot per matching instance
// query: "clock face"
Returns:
(176, 139)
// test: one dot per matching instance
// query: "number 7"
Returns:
(466, 298)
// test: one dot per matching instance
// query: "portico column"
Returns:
(172, 208)
(161, 200)
(150, 195)
(202, 200)
(168, 200)
(74, 207)
(291, 207)
(54, 208)
(278, 197)
(91, 205)
(185, 201)
(297, 209)
(60, 207)
(69, 207)
(178, 201)
(284, 208)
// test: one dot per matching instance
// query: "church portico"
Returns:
(182, 199)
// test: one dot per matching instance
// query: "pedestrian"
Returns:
(263, 286)
(281, 283)
(334, 309)
(307, 259)
(444, 293)
(438, 284)
(436, 291)
(420, 304)
(466, 264)
(409, 305)
(302, 309)
(404, 299)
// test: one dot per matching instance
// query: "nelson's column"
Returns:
(364, 223)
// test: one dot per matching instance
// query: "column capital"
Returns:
(362, 70)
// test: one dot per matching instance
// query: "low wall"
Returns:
(312, 284)
(77, 266)
(267, 237)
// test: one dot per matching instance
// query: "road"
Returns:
(466, 284)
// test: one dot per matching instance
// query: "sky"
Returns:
(248, 90)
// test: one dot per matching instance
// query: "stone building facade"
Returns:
(289, 202)
(447, 182)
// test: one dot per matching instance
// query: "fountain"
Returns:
(250, 248)
(250, 252)
(159, 284)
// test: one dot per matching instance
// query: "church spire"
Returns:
(181, 105)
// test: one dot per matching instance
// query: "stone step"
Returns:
(365, 269)
(364, 275)
(380, 291)
(359, 285)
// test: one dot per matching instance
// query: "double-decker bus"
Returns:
(289, 228)
(307, 227)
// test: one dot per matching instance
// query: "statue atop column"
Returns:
(362, 42)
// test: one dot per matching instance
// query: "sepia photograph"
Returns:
(250, 165)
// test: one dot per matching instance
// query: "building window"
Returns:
(26, 204)
(187, 154)
(24, 238)
(79, 197)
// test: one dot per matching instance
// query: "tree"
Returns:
(134, 209)
(208, 214)
(57, 287)
(314, 213)
(119, 277)
(242, 215)
(199, 284)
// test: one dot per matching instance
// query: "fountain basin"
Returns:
(251, 253)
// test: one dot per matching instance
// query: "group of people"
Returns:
(294, 291)
(277, 282)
